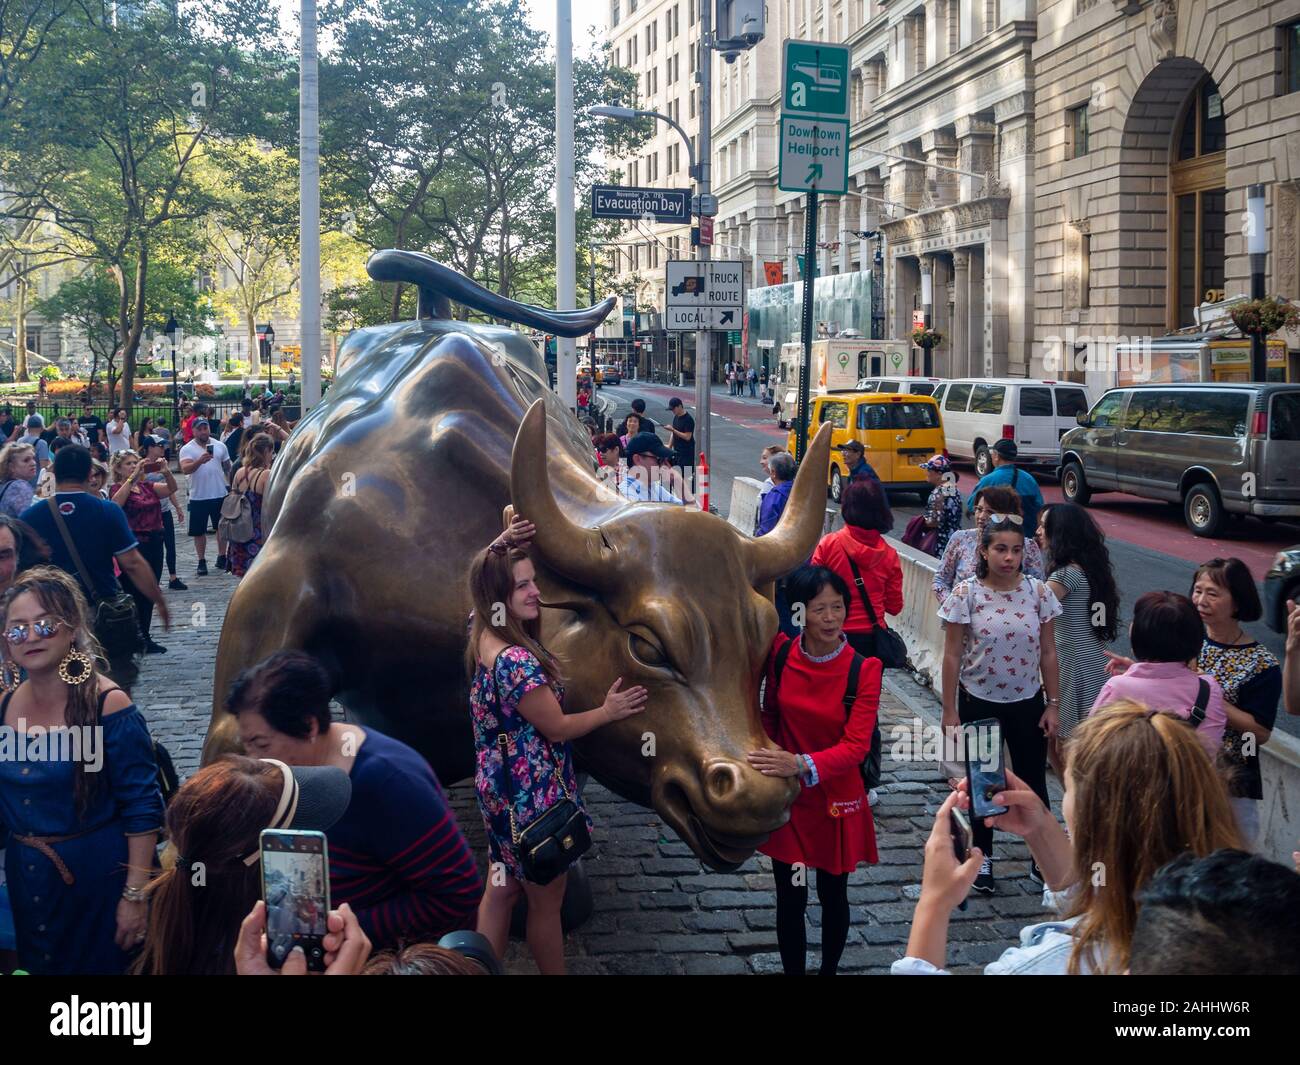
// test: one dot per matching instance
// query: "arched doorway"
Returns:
(1170, 197)
(1197, 201)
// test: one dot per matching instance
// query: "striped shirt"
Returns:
(397, 856)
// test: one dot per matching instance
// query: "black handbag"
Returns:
(116, 623)
(557, 837)
(890, 648)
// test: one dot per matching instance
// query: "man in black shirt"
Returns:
(638, 408)
(683, 435)
(93, 425)
(7, 424)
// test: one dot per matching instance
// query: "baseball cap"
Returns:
(647, 444)
(939, 464)
(147, 442)
(197, 422)
(313, 798)
(852, 445)
(674, 403)
(1006, 448)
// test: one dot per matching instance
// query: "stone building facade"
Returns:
(1153, 120)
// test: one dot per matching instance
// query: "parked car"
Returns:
(978, 411)
(916, 386)
(897, 433)
(1217, 448)
(608, 374)
(1281, 582)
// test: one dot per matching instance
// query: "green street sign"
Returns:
(733, 337)
(816, 79)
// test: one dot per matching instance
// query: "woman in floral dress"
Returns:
(516, 693)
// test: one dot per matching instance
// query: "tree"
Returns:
(26, 26)
(112, 165)
(253, 237)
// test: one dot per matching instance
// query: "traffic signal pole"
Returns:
(704, 337)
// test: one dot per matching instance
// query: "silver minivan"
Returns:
(1216, 448)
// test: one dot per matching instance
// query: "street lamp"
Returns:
(1257, 246)
(171, 329)
(699, 173)
(266, 337)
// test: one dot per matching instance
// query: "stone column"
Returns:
(974, 153)
(1016, 172)
(906, 182)
(942, 280)
(906, 284)
(960, 363)
(980, 364)
(940, 147)
(932, 29)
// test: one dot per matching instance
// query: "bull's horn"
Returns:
(800, 527)
(570, 549)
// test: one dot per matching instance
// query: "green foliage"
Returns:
(51, 373)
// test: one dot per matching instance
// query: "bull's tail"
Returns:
(439, 284)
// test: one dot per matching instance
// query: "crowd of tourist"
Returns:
(1158, 752)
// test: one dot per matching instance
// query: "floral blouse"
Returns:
(943, 512)
(958, 561)
(541, 772)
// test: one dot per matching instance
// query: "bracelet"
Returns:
(1051, 702)
(133, 894)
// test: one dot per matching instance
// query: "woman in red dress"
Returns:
(823, 723)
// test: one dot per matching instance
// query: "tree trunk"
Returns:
(254, 349)
(131, 343)
(20, 331)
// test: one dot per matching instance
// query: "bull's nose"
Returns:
(721, 780)
(739, 796)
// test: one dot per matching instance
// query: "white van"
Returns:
(1035, 414)
(908, 386)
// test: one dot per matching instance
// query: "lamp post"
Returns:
(699, 174)
(266, 337)
(171, 328)
(1257, 246)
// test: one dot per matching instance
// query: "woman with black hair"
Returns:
(820, 702)
(1082, 579)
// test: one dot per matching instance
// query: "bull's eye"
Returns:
(647, 653)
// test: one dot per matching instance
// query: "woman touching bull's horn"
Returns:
(524, 778)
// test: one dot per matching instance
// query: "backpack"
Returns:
(850, 688)
(236, 523)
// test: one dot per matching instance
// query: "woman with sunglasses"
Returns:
(81, 808)
(999, 657)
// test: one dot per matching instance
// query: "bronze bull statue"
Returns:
(388, 487)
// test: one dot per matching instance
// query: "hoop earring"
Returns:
(75, 667)
(10, 676)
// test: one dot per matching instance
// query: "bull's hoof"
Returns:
(574, 912)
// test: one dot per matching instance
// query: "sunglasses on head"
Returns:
(998, 519)
(43, 628)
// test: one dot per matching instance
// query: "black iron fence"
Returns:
(157, 409)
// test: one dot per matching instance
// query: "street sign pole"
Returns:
(703, 337)
(806, 324)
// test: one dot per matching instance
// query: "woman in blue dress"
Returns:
(80, 808)
(515, 700)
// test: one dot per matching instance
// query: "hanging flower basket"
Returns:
(1262, 317)
(926, 338)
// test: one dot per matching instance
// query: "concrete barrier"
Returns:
(743, 511)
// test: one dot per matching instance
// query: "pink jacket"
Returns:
(1170, 686)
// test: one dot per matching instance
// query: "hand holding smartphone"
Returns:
(295, 887)
(986, 773)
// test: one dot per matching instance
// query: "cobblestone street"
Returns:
(657, 909)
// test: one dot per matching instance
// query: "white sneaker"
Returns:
(873, 797)
(984, 882)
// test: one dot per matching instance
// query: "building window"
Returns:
(691, 107)
(1289, 50)
(1078, 131)
(1198, 201)
(631, 6)
(613, 12)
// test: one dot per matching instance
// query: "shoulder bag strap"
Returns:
(862, 591)
(1015, 479)
(778, 667)
(851, 688)
(503, 742)
(72, 548)
(1202, 703)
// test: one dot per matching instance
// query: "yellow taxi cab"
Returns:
(584, 374)
(897, 431)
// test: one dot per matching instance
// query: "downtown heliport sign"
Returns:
(814, 131)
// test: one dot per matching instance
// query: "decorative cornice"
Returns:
(944, 221)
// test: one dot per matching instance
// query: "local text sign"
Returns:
(664, 205)
(712, 292)
(816, 79)
(814, 154)
(677, 319)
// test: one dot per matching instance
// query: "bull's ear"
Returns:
(507, 515)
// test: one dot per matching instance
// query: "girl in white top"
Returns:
(119, 433)
(999, 657)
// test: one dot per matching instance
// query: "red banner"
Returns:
(774, 273)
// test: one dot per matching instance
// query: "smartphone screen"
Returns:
(984, 766)
(210, 449)
(296, 888)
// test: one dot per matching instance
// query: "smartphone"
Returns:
(296, 889)
(959, 825)
(210, 449)
(985, 769)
